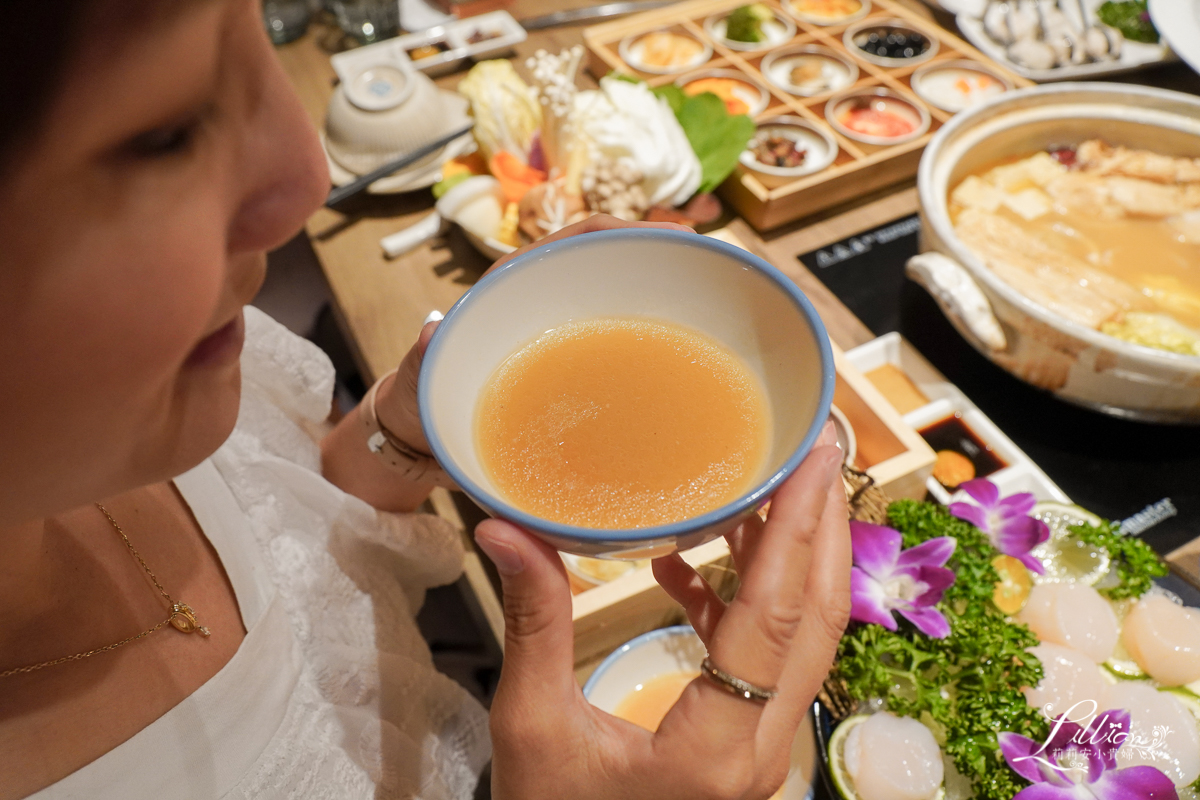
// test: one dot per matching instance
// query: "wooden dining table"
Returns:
(381, 303)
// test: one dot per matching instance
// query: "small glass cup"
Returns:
(367, 20)
(285, 20)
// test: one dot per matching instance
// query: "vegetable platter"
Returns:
(857, 95)
(1008, 645)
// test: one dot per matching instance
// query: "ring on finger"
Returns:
(735, 685)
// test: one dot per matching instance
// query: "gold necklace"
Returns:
(182, 618)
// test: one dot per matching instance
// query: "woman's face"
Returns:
(132, 232)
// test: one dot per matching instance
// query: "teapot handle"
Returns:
(959, 297)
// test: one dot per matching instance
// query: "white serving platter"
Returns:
(1134, 55)
(1178, 21)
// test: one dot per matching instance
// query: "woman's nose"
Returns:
(284, 175)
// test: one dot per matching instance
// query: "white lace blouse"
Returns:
(333, 693)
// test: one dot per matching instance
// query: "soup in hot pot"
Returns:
(1104, 236)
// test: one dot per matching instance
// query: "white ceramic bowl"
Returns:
(679, 649)
(897, 25)
(880, 98)
(715, 288)
(361, 139)
(755, 97)
(778, 30)
(820, 146)
(816, 19)
(666, 650)
(1076, 363)
(631, 48)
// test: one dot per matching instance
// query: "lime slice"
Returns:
(1189, 699)
(1064, 557)
(837, 765)
(1125, 669)
(837, 747)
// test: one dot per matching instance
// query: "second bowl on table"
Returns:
(722, 292)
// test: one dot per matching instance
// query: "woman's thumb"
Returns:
(539, 638)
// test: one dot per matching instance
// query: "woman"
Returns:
(207, 591)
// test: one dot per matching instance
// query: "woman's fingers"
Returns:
(826, 615)
(597, 222)
(539, 636)
(688, 588)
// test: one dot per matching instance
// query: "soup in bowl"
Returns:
(627, 393)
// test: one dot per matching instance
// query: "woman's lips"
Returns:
(221, 346)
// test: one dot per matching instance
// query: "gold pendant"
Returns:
(183, 619)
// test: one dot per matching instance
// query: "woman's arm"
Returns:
(350, 464)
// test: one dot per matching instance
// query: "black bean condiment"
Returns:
(893, 43)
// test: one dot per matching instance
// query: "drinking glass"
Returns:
(367, 20)
(285, 20)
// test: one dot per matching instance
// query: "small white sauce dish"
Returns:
(881, 100)
(659, 652)
(633, 47)
(831, 71)
(712, 287)
(777, 30)
(797, 8)
(679, 649)
(754, 96)
(938, 84)
(820, 150)
(859, 32)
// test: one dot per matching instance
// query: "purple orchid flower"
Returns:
(884, 579)
(1006, 520)
(1081, 763)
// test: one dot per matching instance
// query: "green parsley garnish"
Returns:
(965, 687)
(1135, 562)
(1131, 18)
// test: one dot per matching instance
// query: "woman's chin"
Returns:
(206, 411)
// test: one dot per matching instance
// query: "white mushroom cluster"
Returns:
(554, 82)
(1039, 34)
(615, 187)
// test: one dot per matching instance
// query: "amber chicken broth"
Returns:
(622, 423)
(1105, 236)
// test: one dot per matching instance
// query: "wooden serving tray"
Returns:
(858, 168)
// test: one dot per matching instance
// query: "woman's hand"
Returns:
(781, 630)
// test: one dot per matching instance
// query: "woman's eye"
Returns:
(163, 141)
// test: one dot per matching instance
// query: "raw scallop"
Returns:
(893, 758)
(1164, 639)
(1149, 709)
(1068, 678)
(1073, 615)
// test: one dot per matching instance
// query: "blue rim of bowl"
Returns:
(633, 644)
(745, 502)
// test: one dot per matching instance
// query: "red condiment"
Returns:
(879, 122)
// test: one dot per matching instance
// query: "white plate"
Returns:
(1178, 21)
(423, 174)
(1134, 55)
